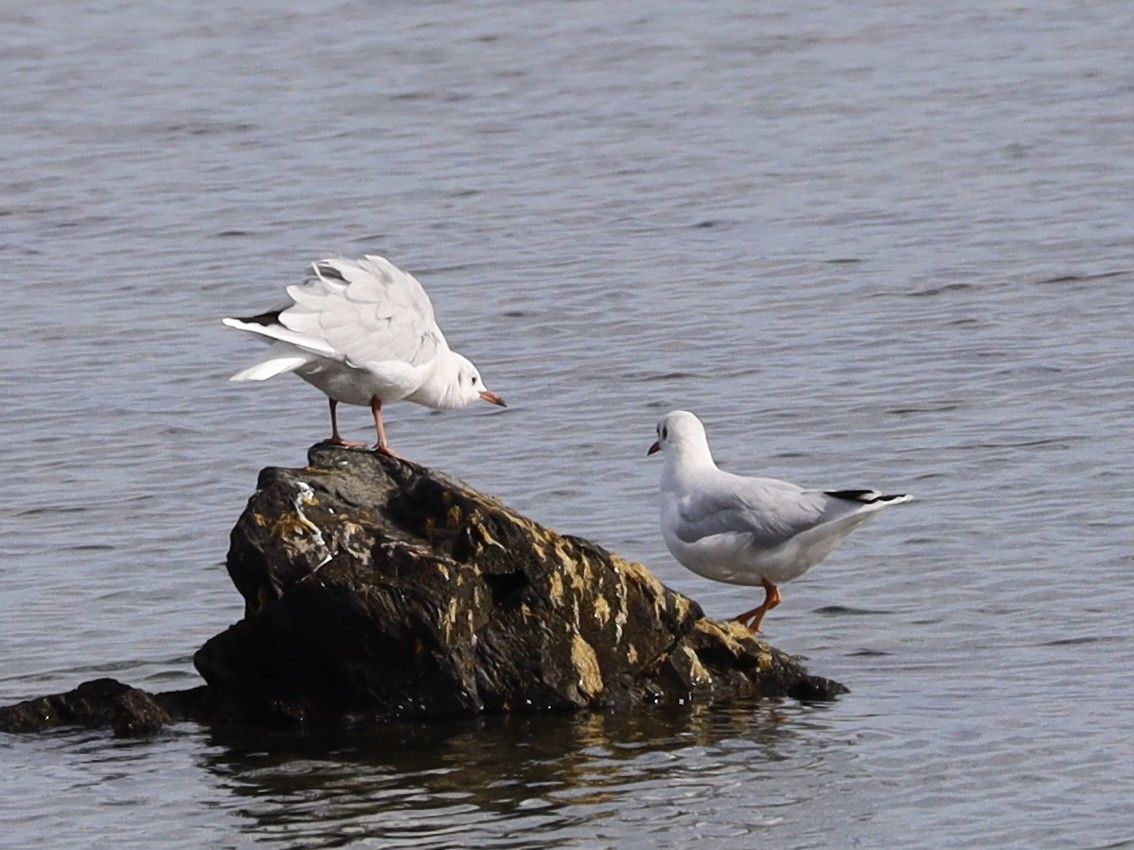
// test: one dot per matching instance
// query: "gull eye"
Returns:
(474, 379)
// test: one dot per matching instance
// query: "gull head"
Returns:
(454, 383)
(680, 432)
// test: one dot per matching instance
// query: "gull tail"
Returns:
(279, 358)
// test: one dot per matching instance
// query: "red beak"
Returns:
(656, 447)
(492, 398)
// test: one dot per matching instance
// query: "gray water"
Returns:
(883, 245)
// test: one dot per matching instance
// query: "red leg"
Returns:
(335, 437)
(772, 598)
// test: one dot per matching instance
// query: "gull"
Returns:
(363, 332)
(750, 531)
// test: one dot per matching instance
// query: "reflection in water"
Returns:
(513, 779)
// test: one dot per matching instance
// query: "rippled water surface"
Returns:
(888, 245)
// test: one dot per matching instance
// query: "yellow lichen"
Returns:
(556, 589)
(586, 666)
(453, 517)
(602, 610)
(698, 675)
(487, 538)
(290, 525)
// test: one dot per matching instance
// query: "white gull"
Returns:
(363, 332)
(750, 531)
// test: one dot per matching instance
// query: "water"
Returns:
(885, 246)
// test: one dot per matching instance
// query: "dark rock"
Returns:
(98, 703)
(107, 703)
(816, 689)
(196, 705)
(377, 589)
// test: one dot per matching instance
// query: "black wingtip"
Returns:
(896, 497)
(272, 317)
(323, 269)
(867, 497)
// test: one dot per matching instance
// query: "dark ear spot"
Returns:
(665, 433)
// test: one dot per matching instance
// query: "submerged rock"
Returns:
(379, 590)
(102, 703)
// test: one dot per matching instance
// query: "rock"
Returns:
(98, 703)
(377, 590)
(102, 703)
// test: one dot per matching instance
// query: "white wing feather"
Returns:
(279, 358)
(363, 312)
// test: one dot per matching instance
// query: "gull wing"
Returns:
(765, 509)
(362, 312)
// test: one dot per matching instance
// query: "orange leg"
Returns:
(335, 436)
(383, 445)
(772, 598)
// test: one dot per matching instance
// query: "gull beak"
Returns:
(656, 447)
(492, 398)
